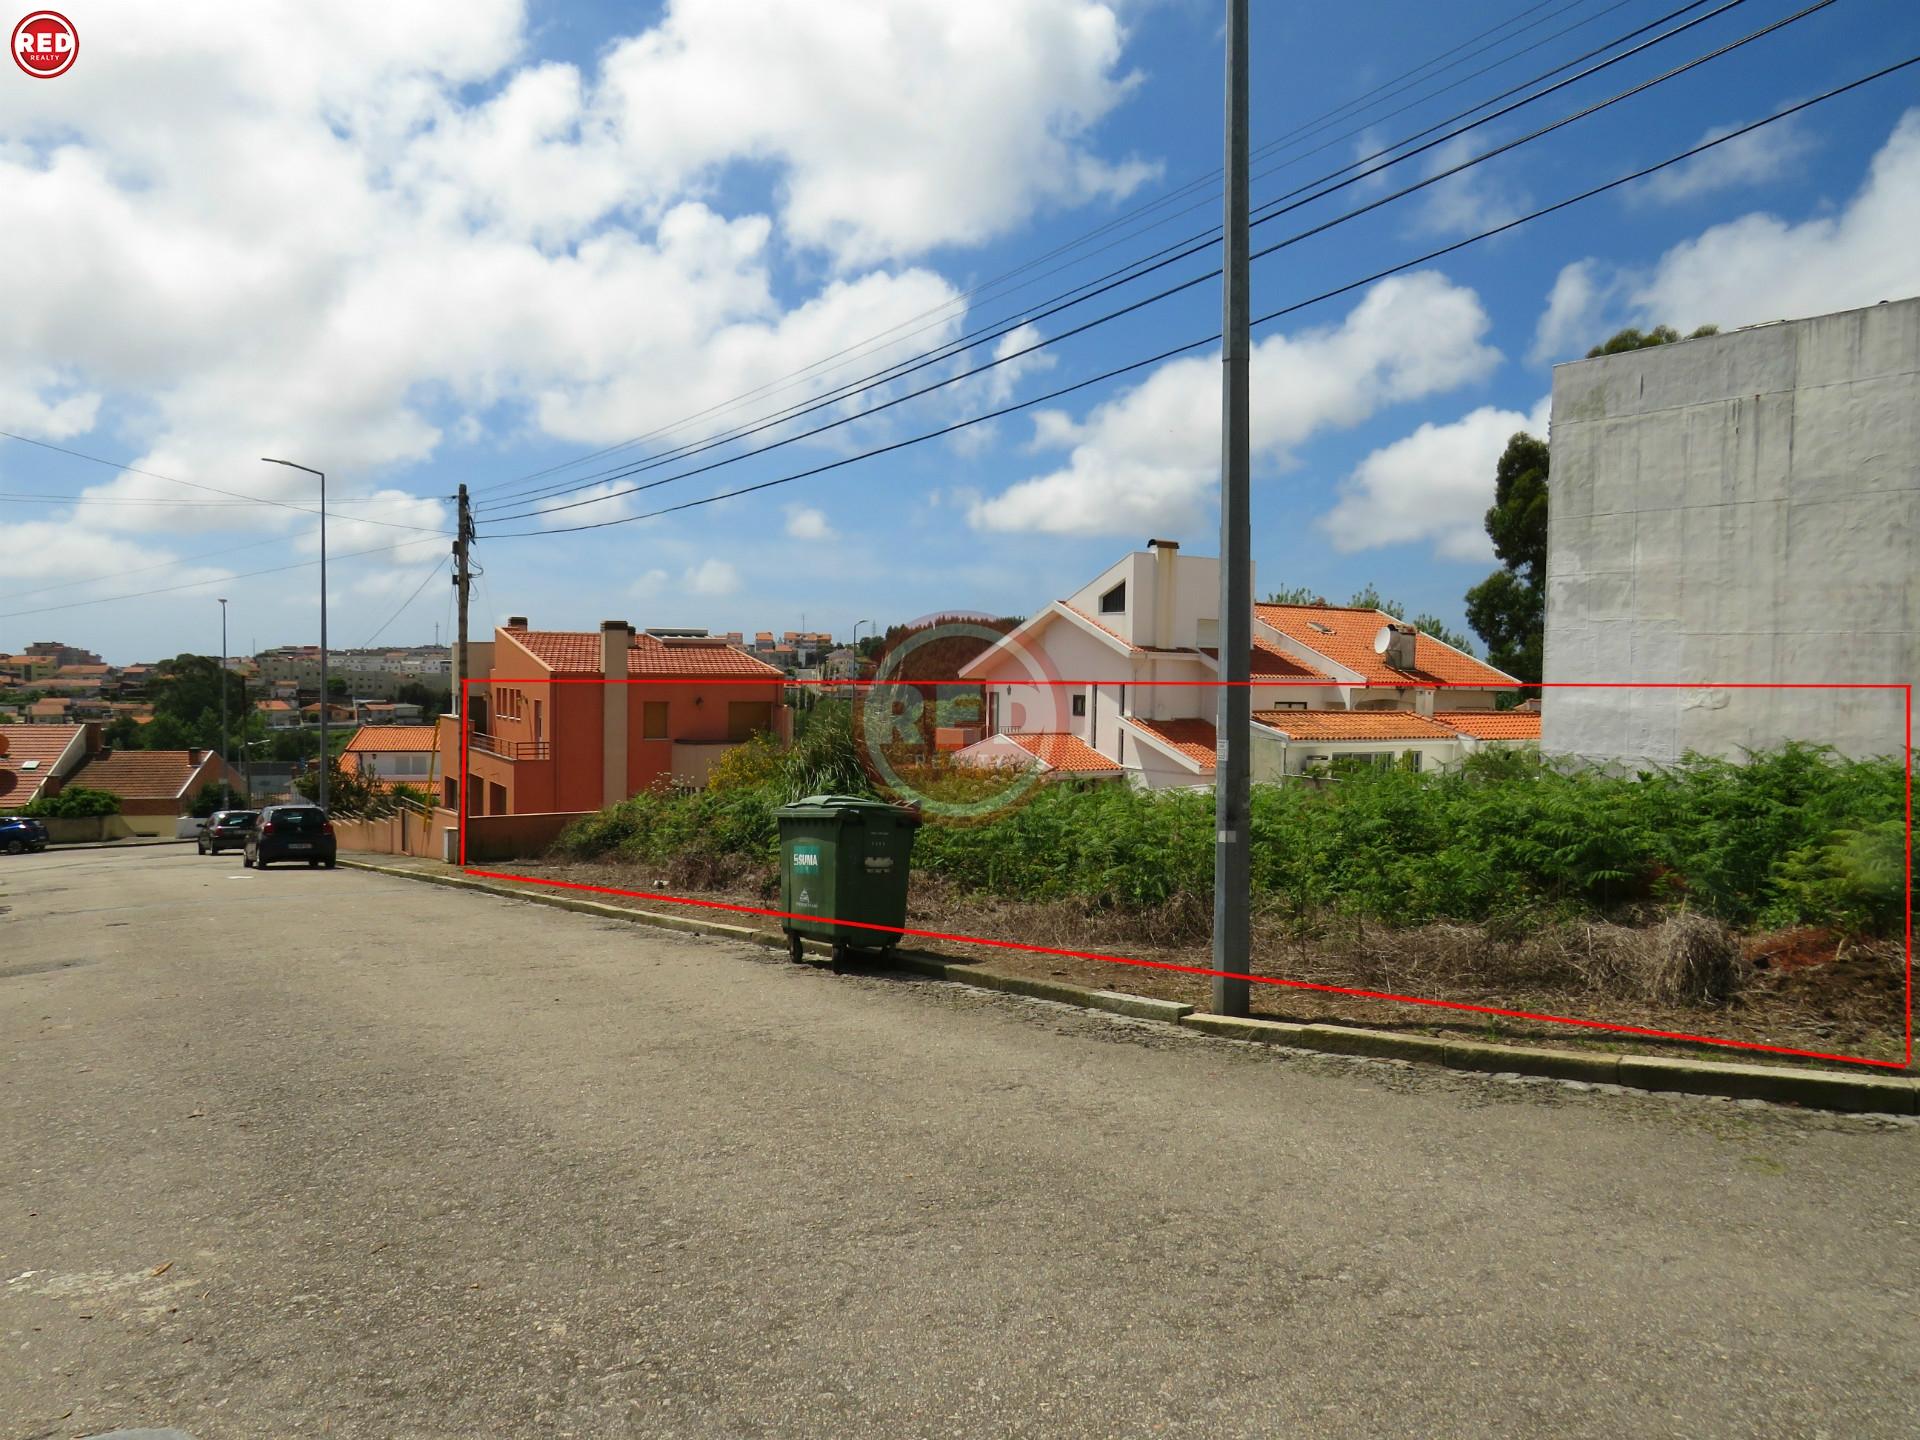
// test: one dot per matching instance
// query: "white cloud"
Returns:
(806, 523)
(902, 124)
(1571, 321)
(1758, 267)
(1754, 159)
(1472, 201)
(1149, 459)
(712, 578)
(327, 245)
(1762, 268)
(35, 401)
(1434, 484)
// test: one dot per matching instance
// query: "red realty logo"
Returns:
(45, 44)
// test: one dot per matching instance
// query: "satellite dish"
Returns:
(1382, 639)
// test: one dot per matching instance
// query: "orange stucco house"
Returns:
(545, 740)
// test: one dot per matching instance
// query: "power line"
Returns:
(212, 489)
(1184, 249)
(439, 565)
(160, 565)
(1397, 85)
(1265, 319)
(1192, 281)
(215, 580)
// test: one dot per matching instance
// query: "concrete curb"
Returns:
(1816, 1089)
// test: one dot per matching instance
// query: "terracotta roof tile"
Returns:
(1354, 725)
(44, 743)
(1270, 660)
(570, 652)
(1064, 752)
(1345, 636)
(136, 774)
(393, 738)
(1493, 724)
(1194, 739)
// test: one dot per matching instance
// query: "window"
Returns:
(538, 719)
(1114, 602)
(1288, 705)
(653, 720)
(1371, 760)
(747, 718)
(1079, 706)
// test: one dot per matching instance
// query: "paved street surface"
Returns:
(327, 1153)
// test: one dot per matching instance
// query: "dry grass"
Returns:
(1671, 970)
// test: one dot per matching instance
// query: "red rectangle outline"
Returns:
(1906, 691)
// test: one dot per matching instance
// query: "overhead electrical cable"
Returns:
(1213, 338)
(442, 564)
(1306, 129)
(1190, 282)
(1187, 248)
(215, 489)
(215, 580)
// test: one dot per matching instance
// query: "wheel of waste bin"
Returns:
(839, 958)
(796, 951)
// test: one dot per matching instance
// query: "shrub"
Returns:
(1788, 837)
(76, 802)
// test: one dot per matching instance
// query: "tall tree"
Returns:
(1508, 609)
(185, 692)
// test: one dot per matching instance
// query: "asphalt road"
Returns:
(326, 1153)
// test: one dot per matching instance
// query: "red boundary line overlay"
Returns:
(1906, 690)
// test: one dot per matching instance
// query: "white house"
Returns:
(1115, 680)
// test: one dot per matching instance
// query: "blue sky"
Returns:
(481, 240)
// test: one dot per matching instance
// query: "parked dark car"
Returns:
(291, 832)
(20, 833)
(226, 830)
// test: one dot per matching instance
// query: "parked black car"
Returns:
(20, 833)
(291, 832)
(226, 830)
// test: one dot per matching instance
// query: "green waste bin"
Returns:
(844, 858)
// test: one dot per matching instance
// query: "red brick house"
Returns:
(542, 742)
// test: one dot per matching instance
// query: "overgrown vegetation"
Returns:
(76, 802)
(1789, 837)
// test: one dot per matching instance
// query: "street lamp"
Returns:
(225, 789)
(856, 632)
(326, 744)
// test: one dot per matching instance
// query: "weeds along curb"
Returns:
(1818, 1089)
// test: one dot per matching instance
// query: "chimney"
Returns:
(1166, 559)
(616, 638)
(515, 622)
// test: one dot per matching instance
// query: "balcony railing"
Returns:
(511, 749)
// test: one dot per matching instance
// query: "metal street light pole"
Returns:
(326, 739)
(226, 789)
(1232, 877)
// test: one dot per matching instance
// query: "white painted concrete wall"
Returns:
(1740, 508)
